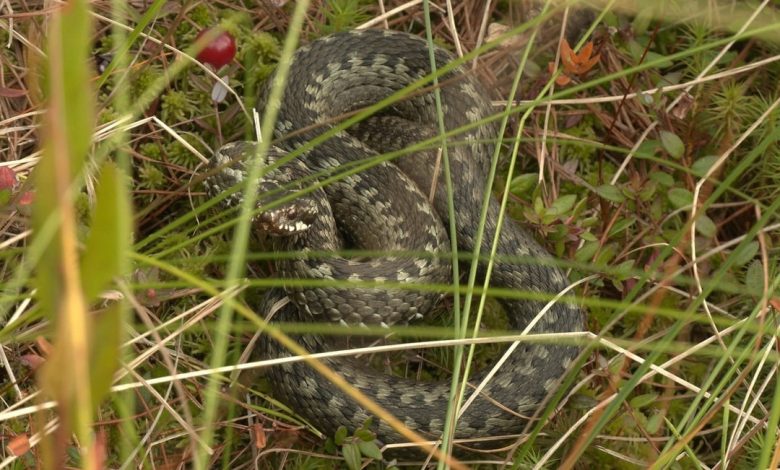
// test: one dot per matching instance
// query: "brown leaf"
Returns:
(12, 92)
(98, 449)
(44, 345)
(684, 106)
(259, 435)
(515, 41)
(33, 361)
(18, 445)
(285, 439)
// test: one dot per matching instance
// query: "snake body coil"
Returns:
(341, 74)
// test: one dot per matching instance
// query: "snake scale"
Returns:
(340, 74)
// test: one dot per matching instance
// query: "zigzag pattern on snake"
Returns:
(386, 207)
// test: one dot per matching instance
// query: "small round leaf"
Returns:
(672, 144)
(351, 453)
(370, 449)
(610, 193)
(706, 227)
(680, 197)
(341, 435)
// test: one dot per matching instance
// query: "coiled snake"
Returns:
(340, 74)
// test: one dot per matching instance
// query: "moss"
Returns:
(150, 176)
(178, 154)
(342, 15)
(176, 106)
(143, 75)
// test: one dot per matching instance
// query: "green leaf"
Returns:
(70, 76)
(563, 204)
(706, 227)
(648, 149)
(106, 340)
(539, 208)
(330, 446)
(370, 449)
(621, 225)
(109, 238)
(654, 423)
(623, 270)
(351, 453)
(587, 251)
(664, 179)
(671, 78)
(642, 20)
(341, 435)
(66, 134)
(523, 183)
(680, 197)
(701, 166)
(672, 144)
(610, 193)
(661, 61)
(5, 196)
(747, 253)
(642, 401)
(754, 277)
(606, 255)
(365, 434)
(640, 52)
(648, 191)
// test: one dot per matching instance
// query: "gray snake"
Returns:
(340, 74)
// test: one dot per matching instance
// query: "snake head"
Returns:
(287, 219)
(286, 213)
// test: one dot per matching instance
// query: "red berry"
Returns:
(7, 178)
(26, 198)
(218, 52)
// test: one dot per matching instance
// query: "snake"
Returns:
(400, 206)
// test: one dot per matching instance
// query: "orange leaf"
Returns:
(562, 80)
(18, 445)
(259, 435)
(585, 52)
(578, 64)
(98, 449)
(568, 57)
(592, 62)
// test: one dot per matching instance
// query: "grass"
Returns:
(651, 174)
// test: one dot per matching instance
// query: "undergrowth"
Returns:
(649, 166)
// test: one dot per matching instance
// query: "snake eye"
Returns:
(289, 219)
